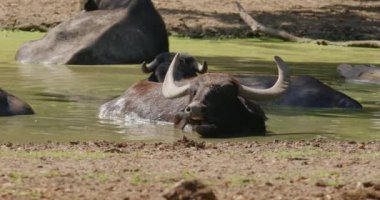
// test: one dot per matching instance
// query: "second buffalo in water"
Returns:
(127, 35)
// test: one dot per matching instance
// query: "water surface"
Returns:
(66, 98)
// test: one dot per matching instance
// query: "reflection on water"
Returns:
(67, 99)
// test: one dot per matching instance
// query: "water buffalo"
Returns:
(11, 105)
(121, 36)
(187, 67)
(361, 73)
(214, 104)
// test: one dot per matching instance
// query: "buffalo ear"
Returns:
(253, 107)
(202, 68)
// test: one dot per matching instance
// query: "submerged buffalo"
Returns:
(303, 91)
(214, 104)
(187, 67)
(11, 105)
(361, 73)
(132, 34)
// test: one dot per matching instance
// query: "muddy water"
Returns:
(67, 98)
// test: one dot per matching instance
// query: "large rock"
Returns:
(119, 36)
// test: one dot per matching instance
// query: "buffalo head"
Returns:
(187, 67)
(219, 105)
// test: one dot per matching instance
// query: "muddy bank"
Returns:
(315, 169)
(327, 19)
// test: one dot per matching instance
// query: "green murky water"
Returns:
(67, 98)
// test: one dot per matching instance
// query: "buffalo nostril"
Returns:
(187, 109)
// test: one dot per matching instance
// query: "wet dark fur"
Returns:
(185, 69)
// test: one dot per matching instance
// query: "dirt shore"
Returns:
(328, 19)
(315, 169)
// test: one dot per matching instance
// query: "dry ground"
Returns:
(328, 19)
(315, 169)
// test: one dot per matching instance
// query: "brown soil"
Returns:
(315, 169)
(327, 19)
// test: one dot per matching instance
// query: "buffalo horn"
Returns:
(150, 67)
(169, 89)
(202, 68)
(275, 91)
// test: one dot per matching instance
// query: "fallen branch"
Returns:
(260, 28)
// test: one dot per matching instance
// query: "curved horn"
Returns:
(201, 68)
(275, 91)
(169, 89)
(150, 67)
